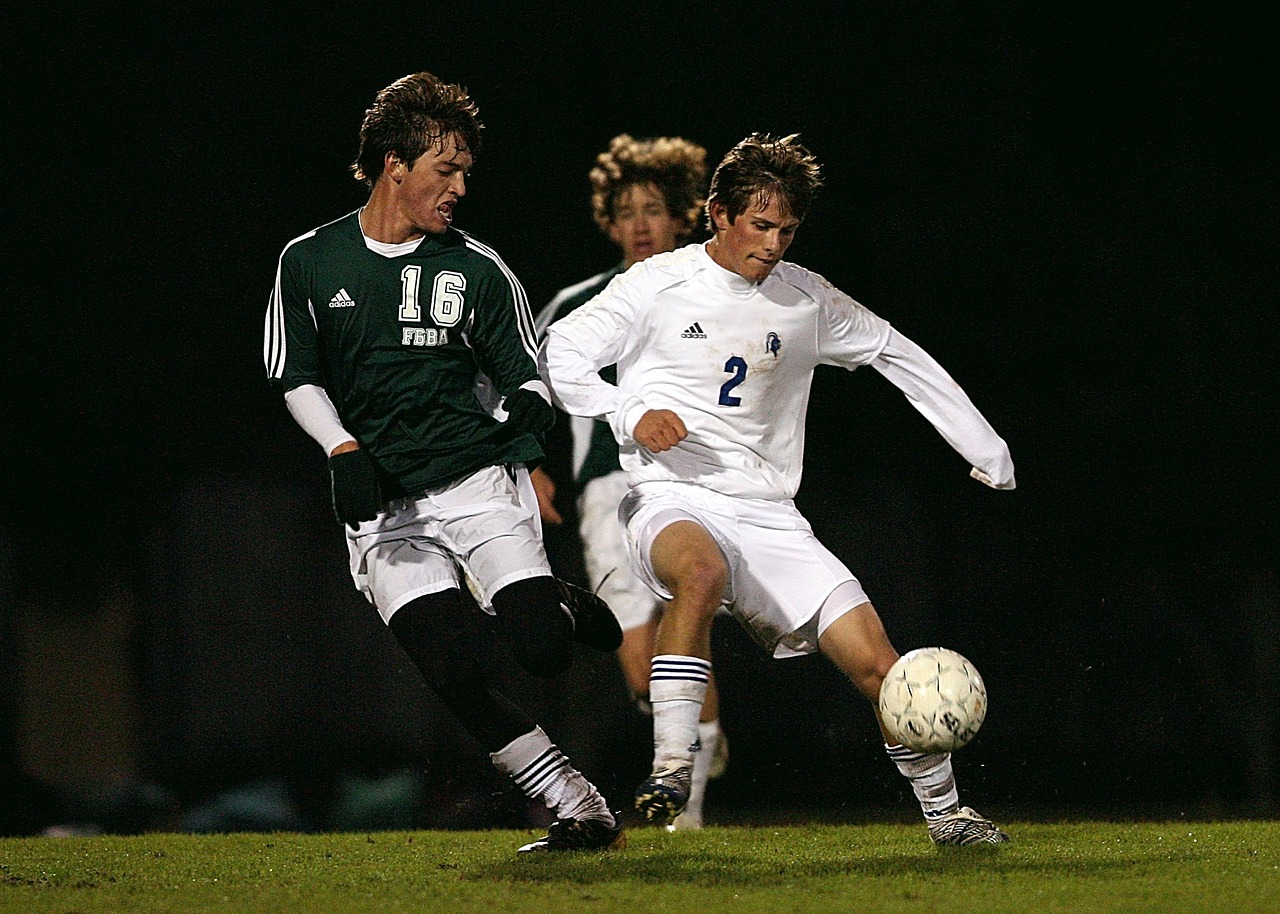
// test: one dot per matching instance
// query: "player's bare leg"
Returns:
(634, 657)
(856, 642)
(859, 647)
(687, 560)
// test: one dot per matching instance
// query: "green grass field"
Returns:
(1090, 867)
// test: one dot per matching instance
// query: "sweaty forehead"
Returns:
(771, 206)
(449, 150)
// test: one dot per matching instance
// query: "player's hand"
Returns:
(660, 430)
(354, 482)
(545, 488)
(527, 411)
(988, 481)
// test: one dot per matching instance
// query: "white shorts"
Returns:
(779, 574)
(483, 528)
(604, 552)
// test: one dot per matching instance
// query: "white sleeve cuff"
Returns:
(312, 409)
(624, 420)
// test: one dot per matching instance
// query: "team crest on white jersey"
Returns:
(694, 332)
(772, 344)
(342, 300)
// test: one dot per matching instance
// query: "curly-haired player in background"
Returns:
(647, 196)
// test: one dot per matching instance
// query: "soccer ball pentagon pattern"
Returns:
(933, 700)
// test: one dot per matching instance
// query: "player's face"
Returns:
(430, 190)
(642, 225)
(752, 244)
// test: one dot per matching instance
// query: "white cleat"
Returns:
(964, 826)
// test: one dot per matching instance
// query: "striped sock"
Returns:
(543, 773)
(931, 777)
(677, 686)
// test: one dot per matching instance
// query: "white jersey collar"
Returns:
(727, 279)
(385, 248)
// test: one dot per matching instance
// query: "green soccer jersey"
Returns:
(601, 452)
(401, 345)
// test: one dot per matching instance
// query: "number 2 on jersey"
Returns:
(738, 365)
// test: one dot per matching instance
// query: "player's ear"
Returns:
(393, 166)
(719, 215)
(615, 233)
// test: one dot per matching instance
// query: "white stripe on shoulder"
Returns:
(524, 318)
(547, 316)
(273, 346)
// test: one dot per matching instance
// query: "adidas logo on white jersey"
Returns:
(342, 300)
(694, 332)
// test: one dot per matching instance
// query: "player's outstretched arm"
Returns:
(948, 408)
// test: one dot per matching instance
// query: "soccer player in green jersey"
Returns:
(646, 195)
(405, 348)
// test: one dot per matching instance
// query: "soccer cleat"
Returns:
(664, 795)
(580, 835)
(964, 826)
(594, 623)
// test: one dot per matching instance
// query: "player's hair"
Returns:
(415, 113)
(677, 167)
(760, 167)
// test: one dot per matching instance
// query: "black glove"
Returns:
(527, 411)
(354, 481)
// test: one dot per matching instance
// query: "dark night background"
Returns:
(1072, 210)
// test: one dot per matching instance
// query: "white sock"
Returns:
(677, 686)
(543, 773)
(931, 777)
(709, 735)
(708, 738)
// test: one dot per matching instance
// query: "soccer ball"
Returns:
(932, 700)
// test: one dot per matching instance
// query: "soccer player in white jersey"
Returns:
(716, 345)
(380, 328)
(646, 195)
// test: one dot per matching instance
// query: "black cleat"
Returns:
(594, 623)
(664, 795)
(580, 835)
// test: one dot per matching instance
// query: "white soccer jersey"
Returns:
(734, 360)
